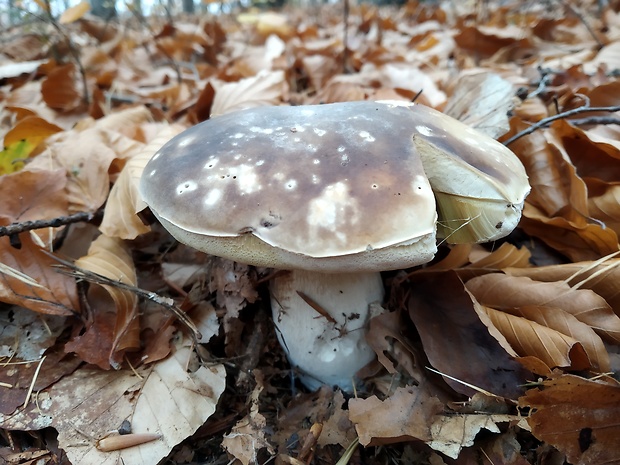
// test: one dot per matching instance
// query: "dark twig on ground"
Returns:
(80, 217)
(566, 114)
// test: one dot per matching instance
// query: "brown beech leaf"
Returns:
(455, 341)
(120, 219)
(504, 292)
(604, 205)
(565, 323)
(86, 154)
(386, 337)
(529, 338)
(28, 279)
(482, 101)
(404, 416)
(452, 432)
(30, 195)
(602, 276)
(504, 256)
(579, 241)
(111, 258)
(556, 188)
(266, 88)
(577, 416)
(61, 90)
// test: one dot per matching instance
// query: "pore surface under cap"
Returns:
(320, 181)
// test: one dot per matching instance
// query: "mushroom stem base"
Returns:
(321, 322)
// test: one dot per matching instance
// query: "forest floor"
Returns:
(120, 345)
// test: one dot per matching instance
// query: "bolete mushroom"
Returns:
(335, 193)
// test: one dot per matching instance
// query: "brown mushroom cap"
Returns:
(312, 187)
(331, 187)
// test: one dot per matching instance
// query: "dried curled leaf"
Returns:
(577, 416)
(405, 415)
(505, 292)
(28, 279)
(111, 258)
(529, 338)
(120, 219)
(266, 88)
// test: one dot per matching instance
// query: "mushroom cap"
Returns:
(325, 187)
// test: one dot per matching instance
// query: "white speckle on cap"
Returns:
(212, 197)
(316, 161)
(247, 181)
(315, 179)
(342, 148)
(261, 130)
(330, 209)
(344, 159)
(312, 147)
(185, 141)
(291, 184)
(234, 144)
(152, 173)
(260, 163)
(424, 130)
(300, 128)
(297, 139)
(366, 136)
(186, 186)
(238, 135)
(237, 157)
(319, 132)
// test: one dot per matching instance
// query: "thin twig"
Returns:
(80, 217)
(70, 269)
(595, 120)
(547, 121)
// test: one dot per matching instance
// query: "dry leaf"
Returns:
(456, 342)
(266, 88)
(28, 279)
(482, 101)
(528, 338)
(504, 292)
(404, 416)
(120, 219)
(451, 433)
(578, 416)
(603, 277)
(111, 258)
(248, 435)
(166, 399)
(74, 13)
(31, 195)
(61, 90)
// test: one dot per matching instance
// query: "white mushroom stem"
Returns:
(321, 322)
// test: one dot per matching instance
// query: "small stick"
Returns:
(546, 121)
(79, 217)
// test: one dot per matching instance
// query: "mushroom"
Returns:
(334, 193)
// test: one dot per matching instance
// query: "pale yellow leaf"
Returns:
(74, 13)
(120, 219)
(266, 88)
